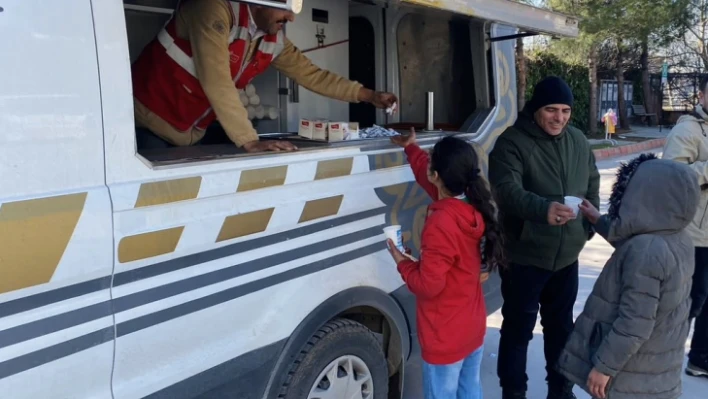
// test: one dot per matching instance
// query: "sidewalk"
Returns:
(655, 139)
(592, 259)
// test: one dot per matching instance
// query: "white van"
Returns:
(206, 272)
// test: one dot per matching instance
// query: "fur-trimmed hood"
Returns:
(652, 195)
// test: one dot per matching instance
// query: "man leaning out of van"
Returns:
(188, 76)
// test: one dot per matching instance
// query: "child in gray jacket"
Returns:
(628, 343)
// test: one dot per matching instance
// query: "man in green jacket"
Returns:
(534, 165)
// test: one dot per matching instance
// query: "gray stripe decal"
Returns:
(60, 294)
(73, 318)
(43, 356)
(24, 304)
(46, 355)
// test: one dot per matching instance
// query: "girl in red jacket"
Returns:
(451, 314)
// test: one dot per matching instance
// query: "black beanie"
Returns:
(551, 90)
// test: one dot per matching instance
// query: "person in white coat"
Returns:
(688, 143)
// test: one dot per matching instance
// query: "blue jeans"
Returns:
(459, 380)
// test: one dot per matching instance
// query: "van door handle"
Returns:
(294, 92)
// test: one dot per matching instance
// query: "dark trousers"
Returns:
(699, 308)
(147, 140)
(525, 289)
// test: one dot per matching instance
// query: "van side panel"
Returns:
(55, 212)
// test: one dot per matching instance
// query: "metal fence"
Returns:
(680, 93)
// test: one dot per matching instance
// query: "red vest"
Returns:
(164, 77)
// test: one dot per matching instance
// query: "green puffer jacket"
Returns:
(529, 169)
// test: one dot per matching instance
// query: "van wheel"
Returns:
(343, 359)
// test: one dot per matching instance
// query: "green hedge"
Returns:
(542, 65)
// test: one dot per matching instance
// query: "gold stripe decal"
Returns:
(389, 160)
(33, 237)
(245, 224)
(321, 208)
(148, 245)
(262, 178)
(165, 192)
(334, 168)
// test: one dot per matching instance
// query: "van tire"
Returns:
(337, 338)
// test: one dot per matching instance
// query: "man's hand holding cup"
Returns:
(559, 214)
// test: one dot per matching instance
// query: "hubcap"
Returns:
(345, 378)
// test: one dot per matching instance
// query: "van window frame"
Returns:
(473, 127)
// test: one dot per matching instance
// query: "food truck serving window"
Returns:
(410, 51)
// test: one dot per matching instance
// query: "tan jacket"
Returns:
(211, 59)
(688, 143)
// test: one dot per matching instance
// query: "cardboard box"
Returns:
(306, 129)
(336, 131)
(320, 130)
(340, 131)
(352, 132)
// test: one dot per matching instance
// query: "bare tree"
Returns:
(696, 36)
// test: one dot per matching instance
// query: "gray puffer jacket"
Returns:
(635, 322)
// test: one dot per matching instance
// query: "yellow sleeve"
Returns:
(208, 23)
(299, 68)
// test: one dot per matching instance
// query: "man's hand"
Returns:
(376, 98)
(597, 384)
(404, 141)
(263, 146)
(590, 212)
(559, 214)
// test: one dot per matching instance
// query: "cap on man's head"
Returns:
(550, 90)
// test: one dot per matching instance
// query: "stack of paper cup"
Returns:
(574, 204)
(254, 100)
(393, 233)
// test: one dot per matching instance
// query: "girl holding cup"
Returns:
(461, 233)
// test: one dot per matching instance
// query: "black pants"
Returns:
(147, 140)
(699, 308)
(524, 288)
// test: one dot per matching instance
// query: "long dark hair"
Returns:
(457, 164)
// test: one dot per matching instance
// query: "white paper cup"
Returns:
(260, 112)
(254, 100)
(574, 204)
(272, 113)
(244, 99)
(250, 90)
(393, 233)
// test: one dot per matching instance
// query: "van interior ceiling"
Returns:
(433, 51)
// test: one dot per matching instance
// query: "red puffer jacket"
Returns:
(451, 312)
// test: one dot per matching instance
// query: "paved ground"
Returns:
(591, 262)
(646, 132)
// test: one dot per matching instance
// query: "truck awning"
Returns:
(525, 17)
